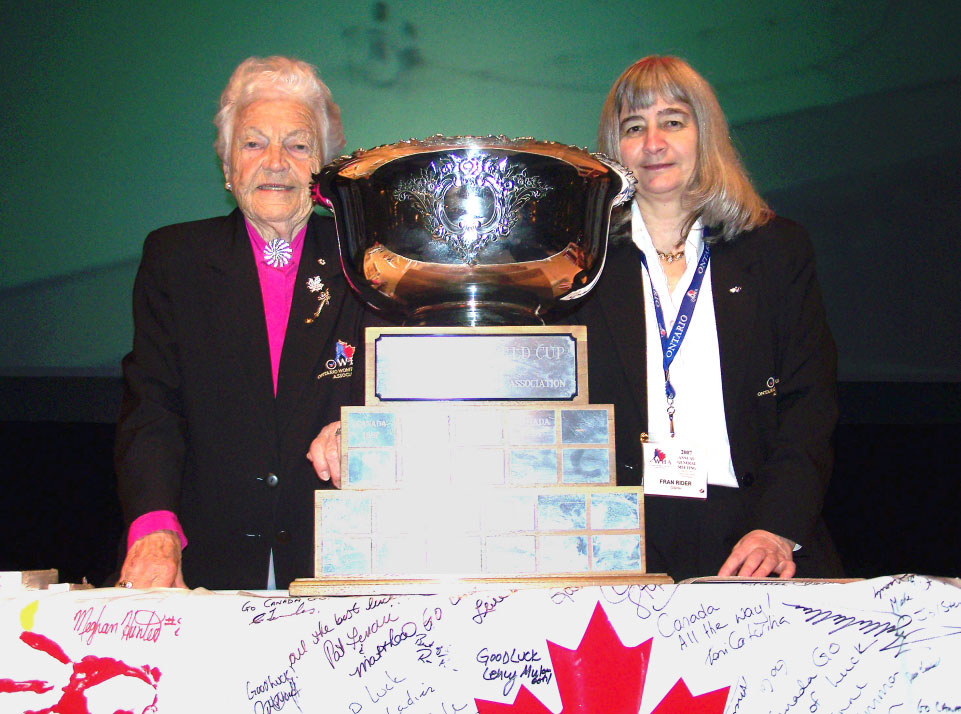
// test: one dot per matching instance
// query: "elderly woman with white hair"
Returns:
(247, 341)
(708, 334)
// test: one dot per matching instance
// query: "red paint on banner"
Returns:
(45, 644)
(31, 685)
(88, 672)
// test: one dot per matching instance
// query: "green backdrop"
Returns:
(841, 109)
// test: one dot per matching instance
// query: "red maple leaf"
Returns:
(524, 703)
(680, 701)
(602, 676)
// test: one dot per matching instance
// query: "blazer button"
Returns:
(747, 480)
(272, 480)
(283, 537)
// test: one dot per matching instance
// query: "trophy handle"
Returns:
(628, 181)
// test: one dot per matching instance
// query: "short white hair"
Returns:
(279, 77)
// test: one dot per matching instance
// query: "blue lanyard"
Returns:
(671, 343)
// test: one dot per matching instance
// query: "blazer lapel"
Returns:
(236, 313)
(735, 289)
(625, 320)
(307, 329)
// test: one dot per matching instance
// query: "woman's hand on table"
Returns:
(758, 554)
(324, 454)
(154, 561)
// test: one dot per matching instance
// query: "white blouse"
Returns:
(696, 370)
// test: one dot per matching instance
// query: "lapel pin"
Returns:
(735, 289)
(316, 285)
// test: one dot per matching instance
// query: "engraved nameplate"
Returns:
(478, 364)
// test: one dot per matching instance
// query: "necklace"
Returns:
(670, 257)
(277, 253)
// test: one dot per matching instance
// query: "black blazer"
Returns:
(200, 432)
(771, 323)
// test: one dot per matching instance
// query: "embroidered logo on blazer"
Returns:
(772, 383)
(342, 364)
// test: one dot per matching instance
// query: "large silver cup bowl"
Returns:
(473, 230)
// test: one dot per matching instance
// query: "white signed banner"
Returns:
(883, 645)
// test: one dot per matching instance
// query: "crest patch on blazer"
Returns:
(342, 363)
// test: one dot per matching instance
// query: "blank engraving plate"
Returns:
(401, 446)
(510, 367)
(454, 531)
(478, 490)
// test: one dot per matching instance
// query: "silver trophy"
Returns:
(474, 241)
(469, 231)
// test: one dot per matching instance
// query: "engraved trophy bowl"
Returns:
(469, 231)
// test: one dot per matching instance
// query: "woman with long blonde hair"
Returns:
(708, 333)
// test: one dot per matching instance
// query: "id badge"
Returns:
(673, 469)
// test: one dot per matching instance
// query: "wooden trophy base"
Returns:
(478, 462)
(360, 585)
